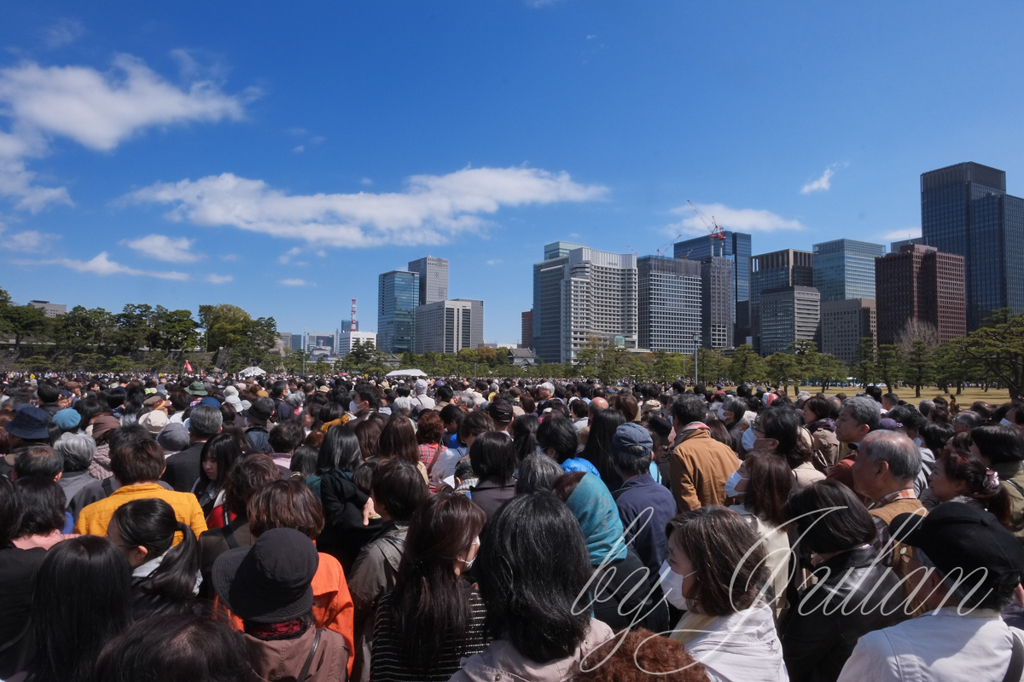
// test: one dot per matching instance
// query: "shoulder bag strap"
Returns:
(108, 487)
(229, 537)
(304, 673)
(1013, 673)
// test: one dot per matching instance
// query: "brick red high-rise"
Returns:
(924, 284)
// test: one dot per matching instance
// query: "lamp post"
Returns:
(696, 349)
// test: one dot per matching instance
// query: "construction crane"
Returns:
(660, 249)
(716, 232)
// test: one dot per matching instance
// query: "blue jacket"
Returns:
(635, 496)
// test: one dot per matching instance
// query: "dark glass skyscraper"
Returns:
(845, 268)
(398, 294)
(736, 248)
(785, 268)
(965, 210)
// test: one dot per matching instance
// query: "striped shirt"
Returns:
(391, 660)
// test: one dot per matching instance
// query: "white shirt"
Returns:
(445, 464)
(938, 646)
(742, 647)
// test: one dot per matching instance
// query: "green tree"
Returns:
(864, 363)
(890, 365)
(712, 365)
(830, 370)
(919, 366)
(173, 330)
(25, 322)
(781, 369)
(807, 357)
(746, 365)
(81, 332)
(998, 348)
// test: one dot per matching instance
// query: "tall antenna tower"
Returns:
(353, 326)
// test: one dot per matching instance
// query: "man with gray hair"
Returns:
(183, 469)
(858, 418)
(545, 391)
(887, 464)
(77, 450)
(965, 421)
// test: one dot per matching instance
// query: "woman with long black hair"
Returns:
(598, 450)
(82, 600)
(524, 436)
(344, 533)
(218, 454)
(165, 578)
(432, 618)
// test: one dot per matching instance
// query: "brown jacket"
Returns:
(281, 660)
(698, 469)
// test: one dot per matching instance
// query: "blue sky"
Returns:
(280, 156)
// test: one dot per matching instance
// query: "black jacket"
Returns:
(344, 533)
(17, 577)
(183, 468)
(815, 646)
(491, 494)
(630, 596)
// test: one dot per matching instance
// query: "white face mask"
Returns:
(721, 413)
(749, 439)
(352, 407)
(918, 442)
(730, 485)
(1005, 422)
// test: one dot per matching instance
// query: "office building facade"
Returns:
(527, 331)
(669, 300)
(788, 314)
(775, 270)
(449, 326)
(547, 300)
(50, 309)
(433, 274)
(923, 284)
(845, 269)
(896, 246)
(348, 339)
(737, 248)
(398, 295)
(321, 341)
(599, 299)
(966, 211)
(717, 302)
(843, 325)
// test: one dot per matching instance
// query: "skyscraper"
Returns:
(844, 324)
(845, 268)
(736, 248)
(527, 332)
(785, 268)
(580, 293)
(788, 314)
(547, 301)
(669, 299)
(965, 210)
(449, 326)
(433, 274)
(717, 302)
(922, 284)
(398, 294)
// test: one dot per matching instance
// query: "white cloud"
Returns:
(494, 261)
(739, 219)
(229, 257)
(103, 266)
(431, 210)
(299, 149)
(219, 279)
(98, 110)
(29, 241)
(285, 257)
(63, 32)
(165, 248)
(296, 283)
(822, 184)
(366, 181)
(899, 235)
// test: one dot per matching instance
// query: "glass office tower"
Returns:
(398, 294)
(845, 269)
(965, 210)
(736, 248)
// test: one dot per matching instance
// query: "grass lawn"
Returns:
(969, 395)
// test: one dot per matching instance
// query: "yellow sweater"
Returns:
(93, 520)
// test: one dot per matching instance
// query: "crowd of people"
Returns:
(323, 529)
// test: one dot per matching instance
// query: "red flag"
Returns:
(188, 367)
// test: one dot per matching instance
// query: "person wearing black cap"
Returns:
(968, 566)
(269, 587)
(25, 431)
(256, 434)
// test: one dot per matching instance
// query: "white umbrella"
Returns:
(406, 373)
(253, 371)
